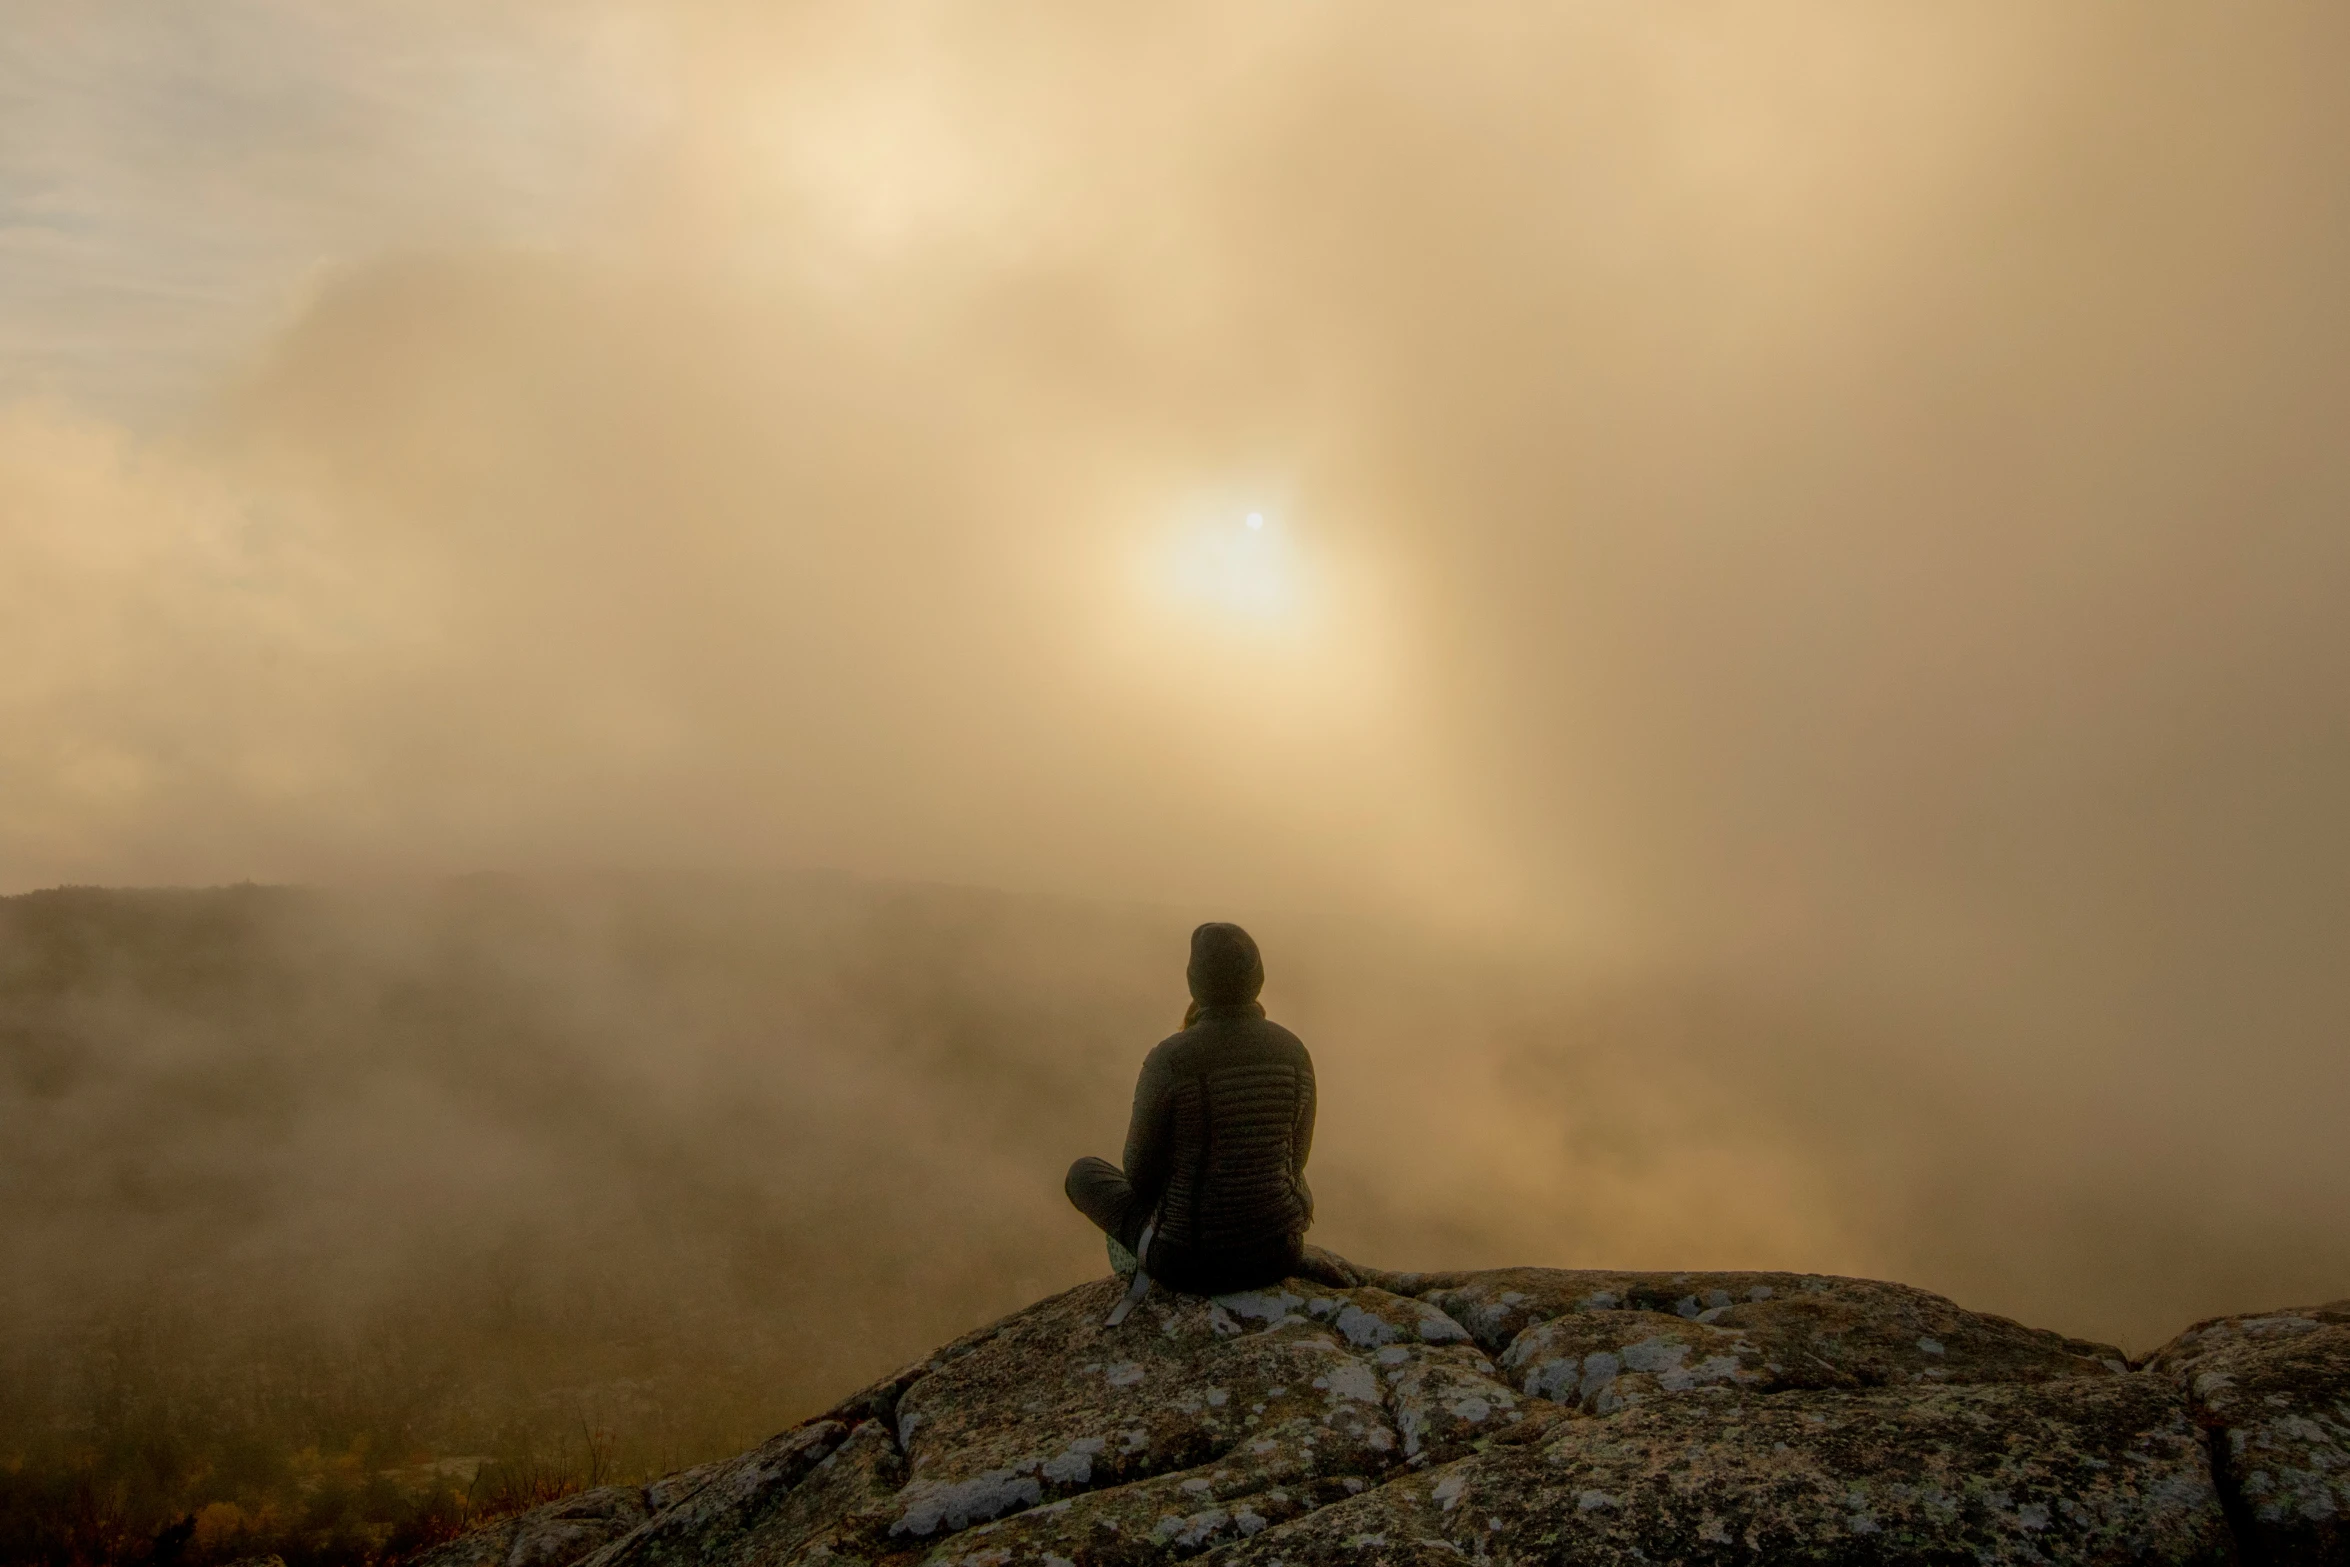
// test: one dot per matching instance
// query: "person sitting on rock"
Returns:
(1213, 1196)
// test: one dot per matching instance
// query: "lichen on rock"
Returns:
(2094, 1470)
(1539, 1414)
(2274, 1392)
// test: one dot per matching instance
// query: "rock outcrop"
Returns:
(2274, 1392)
(1523, 1414)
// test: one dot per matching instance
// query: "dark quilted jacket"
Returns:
(1223, 1121)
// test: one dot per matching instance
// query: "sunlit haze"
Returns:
(1748, 599)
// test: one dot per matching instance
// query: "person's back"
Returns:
(1238, 1095)
(1216, 1151)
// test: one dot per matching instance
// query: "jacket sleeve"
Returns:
(1150, 1153)
(1301, 1137)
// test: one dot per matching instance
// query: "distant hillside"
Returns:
(334, 1217)
(302, 1187)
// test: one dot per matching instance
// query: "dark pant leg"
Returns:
(1101, 1192)
(1222, 1273)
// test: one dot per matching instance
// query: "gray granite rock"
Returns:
(1807, 1330)
(552, 1536)
(2095, 1470)
(1537, 1414)
(2274, 1392)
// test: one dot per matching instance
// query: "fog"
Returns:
(1785, 690)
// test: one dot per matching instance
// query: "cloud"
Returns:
(1836, 499)
(174, 184)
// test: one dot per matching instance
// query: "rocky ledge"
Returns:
(1530, 1414)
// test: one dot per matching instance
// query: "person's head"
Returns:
(1225, 967)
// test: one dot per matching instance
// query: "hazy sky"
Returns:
(177, 181)
(1845, 492)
